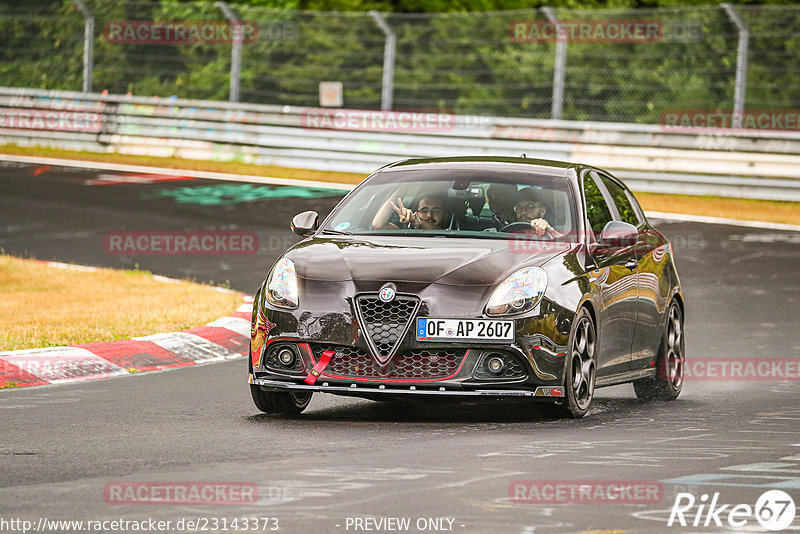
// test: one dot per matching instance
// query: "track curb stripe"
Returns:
(223, 339)
(192, 347)
(222, 336)
(137, 356)
(11, 374)
(62, 364)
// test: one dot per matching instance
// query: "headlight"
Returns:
(282, 287)
(519, 293)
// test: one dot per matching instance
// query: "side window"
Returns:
(626, 211)
(596, 208)
(636, 207)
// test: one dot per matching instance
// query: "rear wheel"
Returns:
(581, 366)
(280, 402)
(668, 382)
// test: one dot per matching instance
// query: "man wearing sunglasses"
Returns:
(528, 209)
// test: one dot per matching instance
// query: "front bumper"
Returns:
(360, 389)
(536, 356)
(464, 373)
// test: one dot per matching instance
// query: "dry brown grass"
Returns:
(755, 210)
(231, 167)
(732, 208)
(45, 306)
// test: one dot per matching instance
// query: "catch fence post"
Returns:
(388, 60)
(88, 44)
(236, 51)
(560, 66)
(741, 64)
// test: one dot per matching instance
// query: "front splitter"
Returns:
(354, 389)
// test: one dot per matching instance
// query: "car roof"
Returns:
(486, 163)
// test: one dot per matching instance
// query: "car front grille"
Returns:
(385, 323)
(415, 364)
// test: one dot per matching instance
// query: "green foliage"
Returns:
(461, 58)
(41, 45)
(464, 6)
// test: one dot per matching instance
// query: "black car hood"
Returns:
(450, 261)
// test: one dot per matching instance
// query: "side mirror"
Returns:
(306, 223)
(618, 234)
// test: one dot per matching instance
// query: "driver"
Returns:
(431, 214)
(529, 209)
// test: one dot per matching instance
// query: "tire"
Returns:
(280, 402)
(581, 366)
(668, 382)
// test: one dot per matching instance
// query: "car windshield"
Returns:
(458, 204)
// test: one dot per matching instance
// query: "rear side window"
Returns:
(626, 211)
(597, 210)
(636, 207)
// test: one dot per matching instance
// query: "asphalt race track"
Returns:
(444, 468)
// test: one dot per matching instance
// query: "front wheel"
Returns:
(581, 366)
(668, 382)
(280, 402)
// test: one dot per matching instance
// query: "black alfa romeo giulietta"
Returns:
(472, 277)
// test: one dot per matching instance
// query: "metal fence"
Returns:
(705, 58)
(740, 163)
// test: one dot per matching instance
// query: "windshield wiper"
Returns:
(335, 232)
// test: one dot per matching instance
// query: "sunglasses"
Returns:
(527, 206)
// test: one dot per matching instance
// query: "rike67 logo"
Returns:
(774, 510)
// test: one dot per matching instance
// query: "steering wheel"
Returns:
(520, 226)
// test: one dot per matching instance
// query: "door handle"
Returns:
(632, 264)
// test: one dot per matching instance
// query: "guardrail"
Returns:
(742, 163)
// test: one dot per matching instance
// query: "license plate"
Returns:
(484, 330)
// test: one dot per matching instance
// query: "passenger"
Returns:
(430, 214)
(501, 202)
(529, 209)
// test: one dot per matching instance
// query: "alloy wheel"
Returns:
(583, 363)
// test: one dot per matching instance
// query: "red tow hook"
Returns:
(324, 360)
